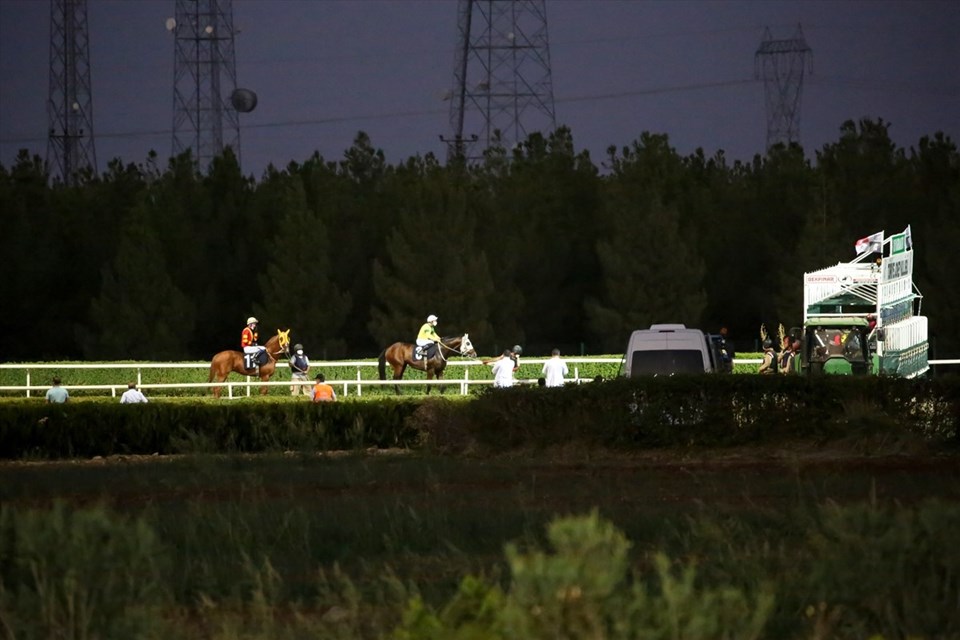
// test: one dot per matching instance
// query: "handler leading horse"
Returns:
(229, 361)
(399, 356)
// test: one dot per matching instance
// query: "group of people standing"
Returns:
(58, 394)
(299, 365)
(784, 362)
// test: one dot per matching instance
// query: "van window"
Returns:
(645, 363)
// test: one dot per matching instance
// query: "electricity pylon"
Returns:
(70, 148)
(782, 65)
(502, 87)
(204, 78)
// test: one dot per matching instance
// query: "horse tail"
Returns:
(382, 364)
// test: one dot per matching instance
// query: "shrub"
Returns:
(77, 574)
(583, 588)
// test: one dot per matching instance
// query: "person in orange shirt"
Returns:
(322, 392)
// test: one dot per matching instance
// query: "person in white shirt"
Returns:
(555, 370)
(503, 369)
(132, 395)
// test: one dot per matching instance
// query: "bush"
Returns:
(77, 574)
(583, 588)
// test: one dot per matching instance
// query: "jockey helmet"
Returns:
(431, 318)
(298, 347)
(517, 350)
(252, 320)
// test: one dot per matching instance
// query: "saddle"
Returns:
(421, 352)
(255, 360)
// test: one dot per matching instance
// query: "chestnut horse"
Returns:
(399, 356)
(229, 361)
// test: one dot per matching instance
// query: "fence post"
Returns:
(359, 386)
(28, 383)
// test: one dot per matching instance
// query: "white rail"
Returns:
(251, 381)
(346, 385)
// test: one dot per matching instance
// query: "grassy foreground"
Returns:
(371, 546)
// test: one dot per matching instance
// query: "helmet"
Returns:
(298, 347)
(516, 349)
(431, 318)
(768, 343)
(252, 320)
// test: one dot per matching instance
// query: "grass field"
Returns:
(337, 545)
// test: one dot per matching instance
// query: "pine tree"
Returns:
(432, 266)
(297, 285)
(140, 314)
(651, 274)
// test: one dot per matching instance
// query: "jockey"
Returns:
(426, 337)
(248, 341)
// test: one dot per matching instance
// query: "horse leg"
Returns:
(429, 377)
(398, 374)
(264, 378)
(213, 376)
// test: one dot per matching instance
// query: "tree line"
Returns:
(538, 245)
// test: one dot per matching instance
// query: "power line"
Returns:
(409, 114)
(854, 83)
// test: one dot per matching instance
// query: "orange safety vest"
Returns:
(322, 392)
(248, 338)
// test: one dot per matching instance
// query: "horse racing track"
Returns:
(339, 544)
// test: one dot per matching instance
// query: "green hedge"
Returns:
(625, 414)
(84, 429)
(700, 411)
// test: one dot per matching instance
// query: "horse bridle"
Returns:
(285, 350)
(445, 346)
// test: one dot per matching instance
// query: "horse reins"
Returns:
(440, 351)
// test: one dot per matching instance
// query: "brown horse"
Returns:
(229, 361)
(400, 355)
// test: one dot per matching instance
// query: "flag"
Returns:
(871, 243)
(908, 237)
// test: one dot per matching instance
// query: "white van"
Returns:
(666, 349)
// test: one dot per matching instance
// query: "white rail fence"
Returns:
(356, 384)
(243, 387)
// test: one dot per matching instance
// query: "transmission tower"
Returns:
(70, 147)
(502, 87)
(782, 65)
(204, 78)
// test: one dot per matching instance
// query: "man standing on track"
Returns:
(299, 365)
(554, 370)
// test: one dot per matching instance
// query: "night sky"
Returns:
(324, 69)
